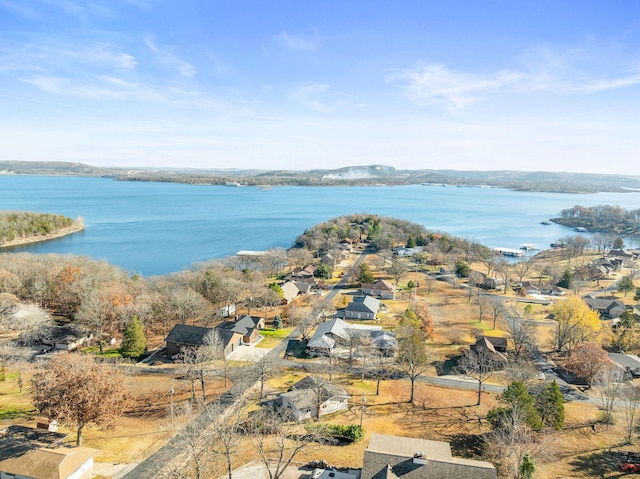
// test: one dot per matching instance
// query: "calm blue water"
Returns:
(158, 228)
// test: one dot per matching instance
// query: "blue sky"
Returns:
(415, 84)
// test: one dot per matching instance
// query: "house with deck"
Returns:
(248, 327)
(606, 308)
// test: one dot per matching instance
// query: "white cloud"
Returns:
(167, 56)
(316, 97)
(299, 42)
(429, 84)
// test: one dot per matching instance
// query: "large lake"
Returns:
(158, 228)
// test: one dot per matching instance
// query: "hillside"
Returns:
(560, 182)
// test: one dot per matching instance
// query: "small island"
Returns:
(22, 227)
(601, 219)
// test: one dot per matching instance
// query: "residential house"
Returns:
(184, 335)
(381, 289)
(247, 326)
(67, 337)
(606, 308)
(305, 273)
(28, 453)
(330, 334)
(498, 343)
(628, 363)
(312, 396)
(384, 341)
(487, 343)
(327, 334)
(402, 251)
(362, 307)
(545, 289)
(292, 289)
(396, 457)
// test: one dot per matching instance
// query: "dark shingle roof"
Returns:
(188, 335)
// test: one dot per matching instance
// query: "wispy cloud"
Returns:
(585, 69)
(315, 97)
(299, 42)
(168, 57)
(432, 84)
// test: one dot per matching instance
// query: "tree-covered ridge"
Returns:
(384, 233)
(602, 218)
(21, 224)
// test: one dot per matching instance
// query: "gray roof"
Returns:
(320, 338)
(188, 335)
(244, 325)
(391, 457)
(303, 393)
(17, 440)
(364, 304)
(627, 361)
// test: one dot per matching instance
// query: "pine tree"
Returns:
(550, 406)
(527, 467)
(134, 343)
(277, 322)
(515, 397)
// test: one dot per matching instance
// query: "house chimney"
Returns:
(419, 458)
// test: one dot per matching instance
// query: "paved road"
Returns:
(243, 379)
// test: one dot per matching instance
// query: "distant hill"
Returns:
(351, 175)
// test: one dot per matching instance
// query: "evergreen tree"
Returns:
(134, 343)
(566, 280)
(365, 276)
(278, 290)
(550, 406)
(411, 242)
(462, 269)
(323, 271)
(277, 322)
(515, 396)
(527, 468)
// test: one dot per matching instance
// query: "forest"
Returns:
(602, 218)
(21, 224)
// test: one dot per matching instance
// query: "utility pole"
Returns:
(172, 393)
(364, 401)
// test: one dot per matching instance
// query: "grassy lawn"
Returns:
(15, 405)
(273, 337)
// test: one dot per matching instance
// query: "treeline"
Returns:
(20, 224)
(601, 218)
(384, 233)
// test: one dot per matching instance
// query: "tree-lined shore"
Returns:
(22, 227)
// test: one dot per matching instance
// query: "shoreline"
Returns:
(75, 228)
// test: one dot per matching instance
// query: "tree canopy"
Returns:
(74, 389)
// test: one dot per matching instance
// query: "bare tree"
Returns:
(75, 389)
(397, 270)
(264, 367)
(9, 354)
(381, 366)
(495, 305)
(32, 323)
(413, 357)
(631, 406)
(513, 440)
(608, 384)
(277, 440)
(479, 365)
(521, 268)
(482, 305)
(521, 333)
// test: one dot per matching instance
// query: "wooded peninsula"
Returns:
(21, 227)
